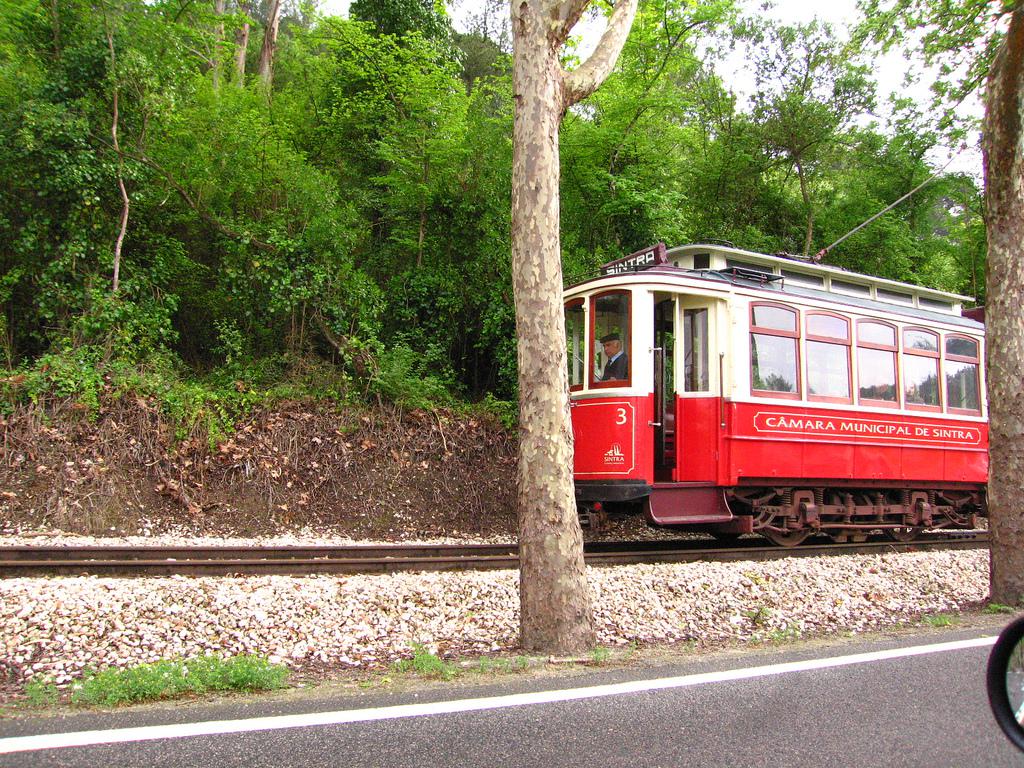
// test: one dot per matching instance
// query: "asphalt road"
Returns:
(925, 710)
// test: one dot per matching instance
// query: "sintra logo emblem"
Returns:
(615, 455)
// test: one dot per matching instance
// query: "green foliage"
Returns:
(41, 692)
(787, 634)
(403, 379)
(506, 411)
(169, 679)
(354, 219)
(402, 17)
(76, 374)
(959, 40)
(940, 620)
(427, 664)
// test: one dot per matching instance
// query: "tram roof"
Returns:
(791, 277)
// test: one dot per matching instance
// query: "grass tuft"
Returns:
(786, 634)
(940, 620)
(168, 679)
(487, 665)
(41, 692)
(997, 608)
(427, 664)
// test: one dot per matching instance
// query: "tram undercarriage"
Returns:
(789, 515)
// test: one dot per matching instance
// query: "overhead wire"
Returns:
(820, 255)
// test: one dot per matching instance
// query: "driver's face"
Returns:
(611, 348)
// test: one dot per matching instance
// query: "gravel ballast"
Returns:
(57, 627)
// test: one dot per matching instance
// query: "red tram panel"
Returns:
(611, 437)
(771, 440)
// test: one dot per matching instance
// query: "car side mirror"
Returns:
(1005, 681)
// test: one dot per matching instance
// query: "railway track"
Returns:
(19, 561)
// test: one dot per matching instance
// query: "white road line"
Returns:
(214, 727)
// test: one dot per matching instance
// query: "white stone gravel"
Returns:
(58, 626)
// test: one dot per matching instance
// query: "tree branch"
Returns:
(585, 79)
(205, 215)
(120, 160)
(563, 14)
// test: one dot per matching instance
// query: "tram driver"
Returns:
(617, 366)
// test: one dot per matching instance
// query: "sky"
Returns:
(837, 12)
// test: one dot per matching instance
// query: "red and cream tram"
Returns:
(736, 392)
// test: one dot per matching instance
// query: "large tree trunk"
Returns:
(1004, 203)
(553, 592)
(266, 65)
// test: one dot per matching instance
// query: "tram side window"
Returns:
(774, 335)
(695, 343)
(961, 369)
(920, 368)
(876, 362)
(828, 357)
(610, 361)
(575, 333)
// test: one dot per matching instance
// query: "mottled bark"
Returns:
(1004, 203)
(241, 48)
(266, 65)
(554, 597)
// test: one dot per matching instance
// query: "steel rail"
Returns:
(24, 561)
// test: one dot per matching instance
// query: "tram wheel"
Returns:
(903, 534)
(788, 539)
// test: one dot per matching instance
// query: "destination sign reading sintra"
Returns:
(649, 257)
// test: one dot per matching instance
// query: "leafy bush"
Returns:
(74, 373)
(206, 407)
(128, 328)
(506, 411)
(401, 380)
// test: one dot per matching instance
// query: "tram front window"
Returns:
(611, 338)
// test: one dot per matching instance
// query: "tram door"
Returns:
(700, 391)
(664, 389)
